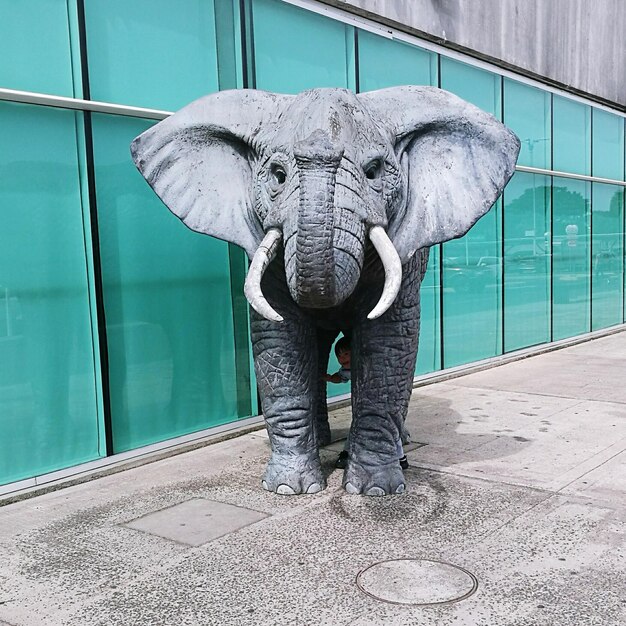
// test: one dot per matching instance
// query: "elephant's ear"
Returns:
(456, 160)
(198, 161)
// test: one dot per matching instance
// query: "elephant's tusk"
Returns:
(393, 270)
(252, 287)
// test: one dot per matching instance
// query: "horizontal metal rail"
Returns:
(64, 102)
(77, 104)
(557, 173)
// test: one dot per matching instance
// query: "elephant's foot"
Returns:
(290, 474)
(374, 480)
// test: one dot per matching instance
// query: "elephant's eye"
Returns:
(278, 175)
(373, 169)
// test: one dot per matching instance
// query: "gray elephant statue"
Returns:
(336, 198)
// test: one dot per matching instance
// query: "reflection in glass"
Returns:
(35, 47)
(477, 86)
(608, 145)
(526, 261)
(311, 51)
(48, 413)
(571, 136)
(571, 252)
(472, 283)
(607, 255)
(168, 305)
(527, 113)
(386, 63)
(150, 53)
(429, 353)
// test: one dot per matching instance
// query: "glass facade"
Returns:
(137, 51)
(170, 372)
(526, 263)
(120, 328)
(48, 397)
(571, 256)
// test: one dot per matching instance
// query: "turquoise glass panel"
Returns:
(35, 46)
(167, 302)
(477, 86)
(527, 112)
(571, 250)
(472, 265)
(295, 49)
(151, 53)
(608, 145)
(472, 293)
(571, 136)
(527, 261)
(387, 63)
(48, 413)
(429, 351)
(607, 255)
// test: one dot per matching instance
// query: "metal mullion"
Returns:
(95, 239)
(227, 20)
(441, 252)
(502, 238)
(551, 219)
(591, 195)
(623, 254)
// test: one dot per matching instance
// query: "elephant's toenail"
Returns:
(375, 491)
(400, 489)
(264, 484)
(314, 488)
(350, 488)
(285, 490)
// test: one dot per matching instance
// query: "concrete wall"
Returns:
(577, 44)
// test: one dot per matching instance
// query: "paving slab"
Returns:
(195, 522)
(521, 484)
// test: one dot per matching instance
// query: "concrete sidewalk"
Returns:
(521, 481)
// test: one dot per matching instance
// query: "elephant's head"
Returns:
(325, 171)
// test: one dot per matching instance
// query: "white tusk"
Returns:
(393, 270)
(252, 287)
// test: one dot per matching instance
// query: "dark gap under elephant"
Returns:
(336, 198)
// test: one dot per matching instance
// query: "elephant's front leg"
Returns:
(285, 359)
(383, 372)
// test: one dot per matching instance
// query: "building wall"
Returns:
(577, 43)
(120, 328)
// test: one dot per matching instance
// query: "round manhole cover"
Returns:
(416, 581)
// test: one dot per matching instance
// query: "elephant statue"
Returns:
(336, 198)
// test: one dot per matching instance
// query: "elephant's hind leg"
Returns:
(285, 359)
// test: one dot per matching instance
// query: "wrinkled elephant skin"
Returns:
(336, 198)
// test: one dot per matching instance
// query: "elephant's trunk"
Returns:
(323, 249)
(313, 264)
